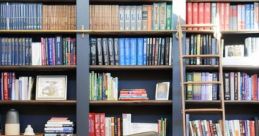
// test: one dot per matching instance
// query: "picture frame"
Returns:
(162, 91)
(51, 87)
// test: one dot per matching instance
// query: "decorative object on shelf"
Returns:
(162, 90)
(12, 125)
(51, 87)
(29, 131)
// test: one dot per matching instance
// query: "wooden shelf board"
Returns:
(99, 67)
(199, 31)
(128, 1)
(131, 32)
(38, 102)
(241, 102)
(203, 110)
(202, 67)
(222, 1)
(201, 56)
(39, 68)
(240, 67)
(134, 103)
(202, 102)
(41, 31)
(209, 82)
(51, 1)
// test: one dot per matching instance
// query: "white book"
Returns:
(31, 81)
(13, 88)
(143, 127)
(209, 87)
(170, 51)
(126, 124)
(36, 53)
(139, 17)
(127, 18)
(187, 119)
(16, 89)
(122, 17)
(133, 17)
(107, 126)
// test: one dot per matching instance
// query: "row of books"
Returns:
(103, 86)
(241, 86)
(131, 51)
(231, 16)
(204, 128)
(241, 127)
(13, 88)
(59, 126)
(131, 17)
(16, 16)
(248, 49)
(50, 51)
(201, 44)
(133, 94)
(202, 91)
(101, 125)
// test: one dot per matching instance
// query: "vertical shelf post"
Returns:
(82, 71)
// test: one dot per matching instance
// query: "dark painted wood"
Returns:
(39, 68)
(123, 68)
(82, 108)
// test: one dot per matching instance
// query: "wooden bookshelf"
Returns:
(125, 68)
(39, 102)
(39, 68)
(211, 82)
(132, 103)
(198, 31)
(204, 110)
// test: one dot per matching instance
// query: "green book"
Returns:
(168, 17)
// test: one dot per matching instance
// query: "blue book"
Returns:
(121, 51)
(145, 51)
(247, 16)
(140, 51)
(249, 97)
(50, 49)
(133, 51)
(252, 16)
(127, 51)
(58, 51)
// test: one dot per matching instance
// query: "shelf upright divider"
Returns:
(82, 71)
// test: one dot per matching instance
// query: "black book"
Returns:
(227, 86)
(93, 44)
(162, 56)
(105, 51)
(111, 51)
(149, 42)
(235, 86)
(116, 51)
(159, 46)
(215, 94)
(99, 51)
(192, 49)
(256, 126)
(167, 45)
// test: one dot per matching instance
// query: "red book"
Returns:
(254, 87)
(97, 124)
(91, 118)
(201, 14)
(195, 14)
(226, 16)
(6, 86)
(149, 17)
(222, 12)
(102, 124)
(252, 128)
(208, 127)
(189, 14)
(207, 13)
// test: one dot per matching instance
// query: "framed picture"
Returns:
(162, 91)
(51, 87)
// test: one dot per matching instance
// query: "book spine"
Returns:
(162, 16)
(122, 51)
(93, 44)
(201, 14)
(127, 17)
(139, 17)
(155, 18)
(133, 17)
(111, 51)
(195, 14)
(189, 14)
(127, 51)
(140, 51)
(168, 17)
(145, 17)
(116, 51)
(227, 86)
(145, 41)
(105, 51)
(133, 51)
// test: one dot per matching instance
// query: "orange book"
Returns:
(5, 75)
(149, 17)
(252, 128)
(254, 87)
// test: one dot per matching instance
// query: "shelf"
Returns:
(211, 82)
(132, 103)
(128, 1)
(201, 56)
(132, 33)
(222, 1)
(203, 110)
(37, 134)
(202, 67)
(48, 1)
(42, 31)
(224, 32)
(39, 68)
(114, 68)
(207, 102)
(241, 102)
(199, 31)
(38, 102)
(240, 67)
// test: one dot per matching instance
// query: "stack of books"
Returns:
(133, 94)
(204, 127)
(59, 126)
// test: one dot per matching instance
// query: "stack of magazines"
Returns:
(59, 126)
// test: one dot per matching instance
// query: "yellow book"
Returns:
(196, 87)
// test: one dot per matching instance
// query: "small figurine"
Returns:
(29, 131)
